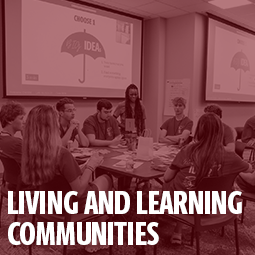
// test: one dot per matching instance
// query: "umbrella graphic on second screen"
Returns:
(83, 43)
(240, 62)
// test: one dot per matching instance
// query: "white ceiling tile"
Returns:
(202, 7)
(242, 10)
(155, 7)
(172, 13)
(153, 16)
(133, 3)
(243, 15)
(227, 4)
(117, 5)
(140, 12)
(180, 3)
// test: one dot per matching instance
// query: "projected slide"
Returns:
(61, 48)
(235, 65)
(230, 63)
(80, 54)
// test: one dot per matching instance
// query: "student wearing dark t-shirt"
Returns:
(248, 135)
(131, 108)
(177, 128)
(102, 128)
(228, 132)
(44, 159)
(204, 158)
(69, 127)
(12, 121)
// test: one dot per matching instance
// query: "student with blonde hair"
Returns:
(44, 158)
(177, 129)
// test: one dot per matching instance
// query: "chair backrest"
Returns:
(58, 183)
(217, 183)
(11, 168)
(239, 132)
(248, 196)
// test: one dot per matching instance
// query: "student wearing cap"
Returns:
(228, 133)
(177, 128)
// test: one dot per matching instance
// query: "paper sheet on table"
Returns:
(166, 150)
(81, 152)
(81, 155)
(122, 157)
(137, 164)
(122, 164)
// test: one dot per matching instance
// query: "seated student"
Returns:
(177, 128)
(69, 127)
(248, 135)
(201, 159)
(131, 108)
(44, 159)
(228, 132)
(12, 121)
(102, 128)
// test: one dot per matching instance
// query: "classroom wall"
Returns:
(186, 40)
(186, 36)
(182, 55)
(180, 52)
(154, 72)
(173, 48)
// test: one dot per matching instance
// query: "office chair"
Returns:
(10, 181)
(199, 222)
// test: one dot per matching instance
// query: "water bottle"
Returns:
(130, 164)
(70, 145)
(133, 140)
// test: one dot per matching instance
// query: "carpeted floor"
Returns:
(211, 241)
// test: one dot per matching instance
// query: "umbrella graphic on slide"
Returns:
(241, 62)
(82, 43)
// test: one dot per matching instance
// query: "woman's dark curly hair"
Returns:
(138, 109)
